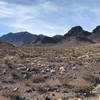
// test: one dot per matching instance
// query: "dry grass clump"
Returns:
(63, 79)
(8, 59)
(87, 74)
(82, 84)
(36, 80)
(14, 94)
(38, 83)
(82, 87)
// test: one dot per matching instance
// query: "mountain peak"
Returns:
(97, 29)
(18, 38)
(24, 32)
(77, 28)
(10, 33)
(74, 31)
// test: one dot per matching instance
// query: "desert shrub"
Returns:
(13, 95)
(83, 87)
(15, 75)
(63, 79)
(17, 97)
(22, 55)
(38, 79)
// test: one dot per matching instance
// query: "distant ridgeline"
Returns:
(75, 36)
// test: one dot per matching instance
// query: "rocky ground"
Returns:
(50, 73)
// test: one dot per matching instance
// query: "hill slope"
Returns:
(75, 36)
(45, 41)
(4, 44)
(18, 38)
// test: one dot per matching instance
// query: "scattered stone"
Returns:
(96, 90)
(15, 89)
(48, 70)
(52, 71)
(27, 61)
(43, 72)
(73, 68)
(62, 69)
(21, 68)
(85, 94)
(28, 70)
(4, 72)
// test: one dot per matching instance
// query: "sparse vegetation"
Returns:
(50, 70)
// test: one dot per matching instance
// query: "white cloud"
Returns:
(26, 17)
(39, 18)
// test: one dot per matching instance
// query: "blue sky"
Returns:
(49, 17)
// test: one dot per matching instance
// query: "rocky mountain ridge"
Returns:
(75, 36)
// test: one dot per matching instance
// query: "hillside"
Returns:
(95, 34)
(19, 38)
(76, 36)
(6, 45)
(45, 41)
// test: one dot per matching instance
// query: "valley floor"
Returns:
(50, 73)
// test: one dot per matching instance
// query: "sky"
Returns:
(48, 17)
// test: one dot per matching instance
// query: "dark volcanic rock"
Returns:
(74, 31)
(85, 39)
(49, 40)
(46, 40)
(97, 30)
(75, 36)
(77, 31)
(95, 35)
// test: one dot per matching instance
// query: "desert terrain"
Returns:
(50, 73)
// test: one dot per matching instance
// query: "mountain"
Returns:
(6, 49)
(75, 36)
(96, 35)
(74, 31)
(18, 38)
(45, 40)
(97, 30)
(77, 32)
